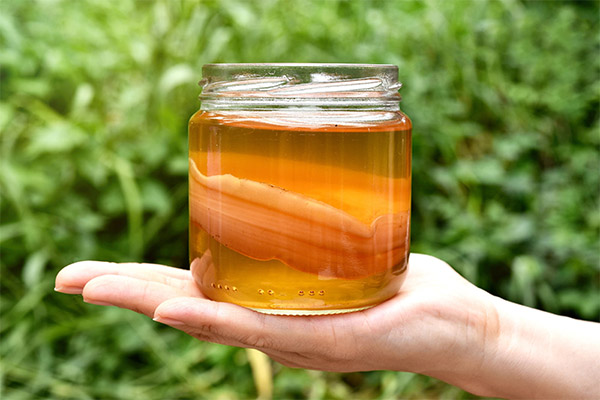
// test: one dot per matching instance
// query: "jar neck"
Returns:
(333, 104)
(301, 87)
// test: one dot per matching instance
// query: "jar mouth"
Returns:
(287, 85)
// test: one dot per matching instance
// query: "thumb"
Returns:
(329, 342)
(222, 323)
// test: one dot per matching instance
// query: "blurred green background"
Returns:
(95, 98)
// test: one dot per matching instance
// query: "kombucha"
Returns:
(296, 219)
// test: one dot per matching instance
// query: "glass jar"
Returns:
(300, 178)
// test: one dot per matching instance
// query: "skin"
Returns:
(438, 324)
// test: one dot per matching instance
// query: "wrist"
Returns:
(470, 337)
(539, 355)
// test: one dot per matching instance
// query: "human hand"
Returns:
(428, 327)
(438, 324)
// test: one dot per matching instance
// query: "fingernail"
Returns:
(97, 302)
(68, 289)
(168, 321)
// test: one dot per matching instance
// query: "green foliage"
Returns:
(95, 98)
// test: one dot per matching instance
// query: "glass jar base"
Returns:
(307, 312)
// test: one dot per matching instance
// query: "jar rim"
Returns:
(302, 71)
(300, 65)
(300, 84)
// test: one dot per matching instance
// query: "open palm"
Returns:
(412, 331)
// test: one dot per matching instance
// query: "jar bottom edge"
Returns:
(307, 312)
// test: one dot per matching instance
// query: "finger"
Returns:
(237, 326)
(426, 273)
(72, 278)
(135, 294)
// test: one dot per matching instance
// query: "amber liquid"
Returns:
(286, 219)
